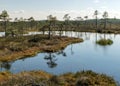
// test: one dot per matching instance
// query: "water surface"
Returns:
(75, 57)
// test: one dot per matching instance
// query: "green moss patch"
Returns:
(104, 42)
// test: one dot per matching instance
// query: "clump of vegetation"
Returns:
(40, 78)
(20, 47)
(104, 42)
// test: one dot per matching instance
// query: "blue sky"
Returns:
(39, 9)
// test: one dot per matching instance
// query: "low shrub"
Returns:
(104, 42)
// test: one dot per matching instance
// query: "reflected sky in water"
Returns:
(75, 57)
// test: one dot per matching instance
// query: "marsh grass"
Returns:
(40, 78)
(104, 42)
(21, 47)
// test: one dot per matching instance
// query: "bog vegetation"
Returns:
(40, 78)
(104, 42)
(15, 44)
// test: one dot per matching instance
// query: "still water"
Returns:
(75, 57)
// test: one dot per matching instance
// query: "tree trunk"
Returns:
(60, 31)
(5, 23)
(96, 23)
(49, 32)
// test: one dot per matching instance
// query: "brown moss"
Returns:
(86, 78)
(4, 76)
(52, 45)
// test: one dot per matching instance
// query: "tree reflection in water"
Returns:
(5, 65)
(72, 50)
(61, 52)
(51, 60)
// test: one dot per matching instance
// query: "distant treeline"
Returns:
(21, 25)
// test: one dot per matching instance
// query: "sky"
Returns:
(40, 9)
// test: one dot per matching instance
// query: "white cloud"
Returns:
(41, 15)
(113, 13)
(96, 1)
(19, 12)
(103, 8)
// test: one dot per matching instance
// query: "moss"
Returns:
(15, 48)
(104, 42)
(86, 78)
(4, 75)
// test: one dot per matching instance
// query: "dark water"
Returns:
(75, 57)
